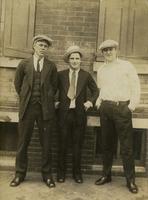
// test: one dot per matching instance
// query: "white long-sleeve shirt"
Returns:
(118, 81)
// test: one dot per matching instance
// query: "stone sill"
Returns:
(138, 123)
(91, 120)
(9, 62)
(118, 168)
(12, 115)
(8, 163)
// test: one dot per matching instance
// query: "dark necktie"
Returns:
(71, 91)
(38, 65)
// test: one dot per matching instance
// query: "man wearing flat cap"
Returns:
(73, 104)
(36, 84)
(119, 95)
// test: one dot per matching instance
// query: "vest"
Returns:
(36, 88)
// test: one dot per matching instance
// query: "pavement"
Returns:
(34, 189)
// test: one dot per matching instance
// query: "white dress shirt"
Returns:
(73, 101)
(118, 81)
(41, 62)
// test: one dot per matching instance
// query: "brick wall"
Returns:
(69, 22)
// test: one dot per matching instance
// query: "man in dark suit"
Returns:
(36, 83)
(73, 104)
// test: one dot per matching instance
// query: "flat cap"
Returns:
(42, 37)
(108, 43)
(70, 50)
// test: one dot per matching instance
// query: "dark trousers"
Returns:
(26, 125)
(71, 130)
(117, 119)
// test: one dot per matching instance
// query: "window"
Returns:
(125, 21)
(18, 27)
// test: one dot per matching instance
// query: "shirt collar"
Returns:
(113, 62)
(71, 70)
(36, 58)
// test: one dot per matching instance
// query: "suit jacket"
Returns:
(85, 82)
(23, 84)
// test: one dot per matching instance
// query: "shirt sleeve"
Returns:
(134, 87)
(98, 101)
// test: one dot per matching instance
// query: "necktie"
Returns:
(38, 65)
(71, 91)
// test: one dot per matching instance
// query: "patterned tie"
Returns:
(71, 91)
(38, 65)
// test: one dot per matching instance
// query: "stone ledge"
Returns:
(118, 169)
(137, 122)
(91, 120)
(9, 62)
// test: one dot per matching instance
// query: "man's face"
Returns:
(74, 61)
(40, 48)
(109, 53)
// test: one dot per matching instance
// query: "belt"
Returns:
(117, 103)
(71, 109)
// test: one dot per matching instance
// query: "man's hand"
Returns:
(131, 108)
(56, 104)
(87, 105)
(98, 103)
(97, 106)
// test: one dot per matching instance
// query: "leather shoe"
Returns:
(78, 178)
(61, 179)
(132, 187)
(102, 180)
(49, 182)
(16, 181)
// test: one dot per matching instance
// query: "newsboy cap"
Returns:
(70, 50)
(42, 37)
(108, 43)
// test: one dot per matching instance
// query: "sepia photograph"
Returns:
(74, 99)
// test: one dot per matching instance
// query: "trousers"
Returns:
(25, 128)
(116, 120)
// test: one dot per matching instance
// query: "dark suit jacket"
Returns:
(24, 81)
(85, 82)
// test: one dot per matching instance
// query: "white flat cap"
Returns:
(44, 38)
(108, 43)
(70, 50)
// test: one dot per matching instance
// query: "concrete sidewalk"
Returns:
(34, 189)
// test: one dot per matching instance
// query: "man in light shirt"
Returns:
(73, 84)
(119, 95)
(36, 83)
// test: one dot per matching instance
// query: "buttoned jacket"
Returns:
(24, 81)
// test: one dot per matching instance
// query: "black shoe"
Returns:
(49, 182)
(16, 181)
(61, 179)
(78, 178)
(102, 180)
(132, 187)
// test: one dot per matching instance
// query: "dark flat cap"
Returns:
(42, 37)
(108, 43)
(70, 50)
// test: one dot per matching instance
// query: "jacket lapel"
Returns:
(30, 67)
(80, 82)
(44, 71)
(66, 81)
